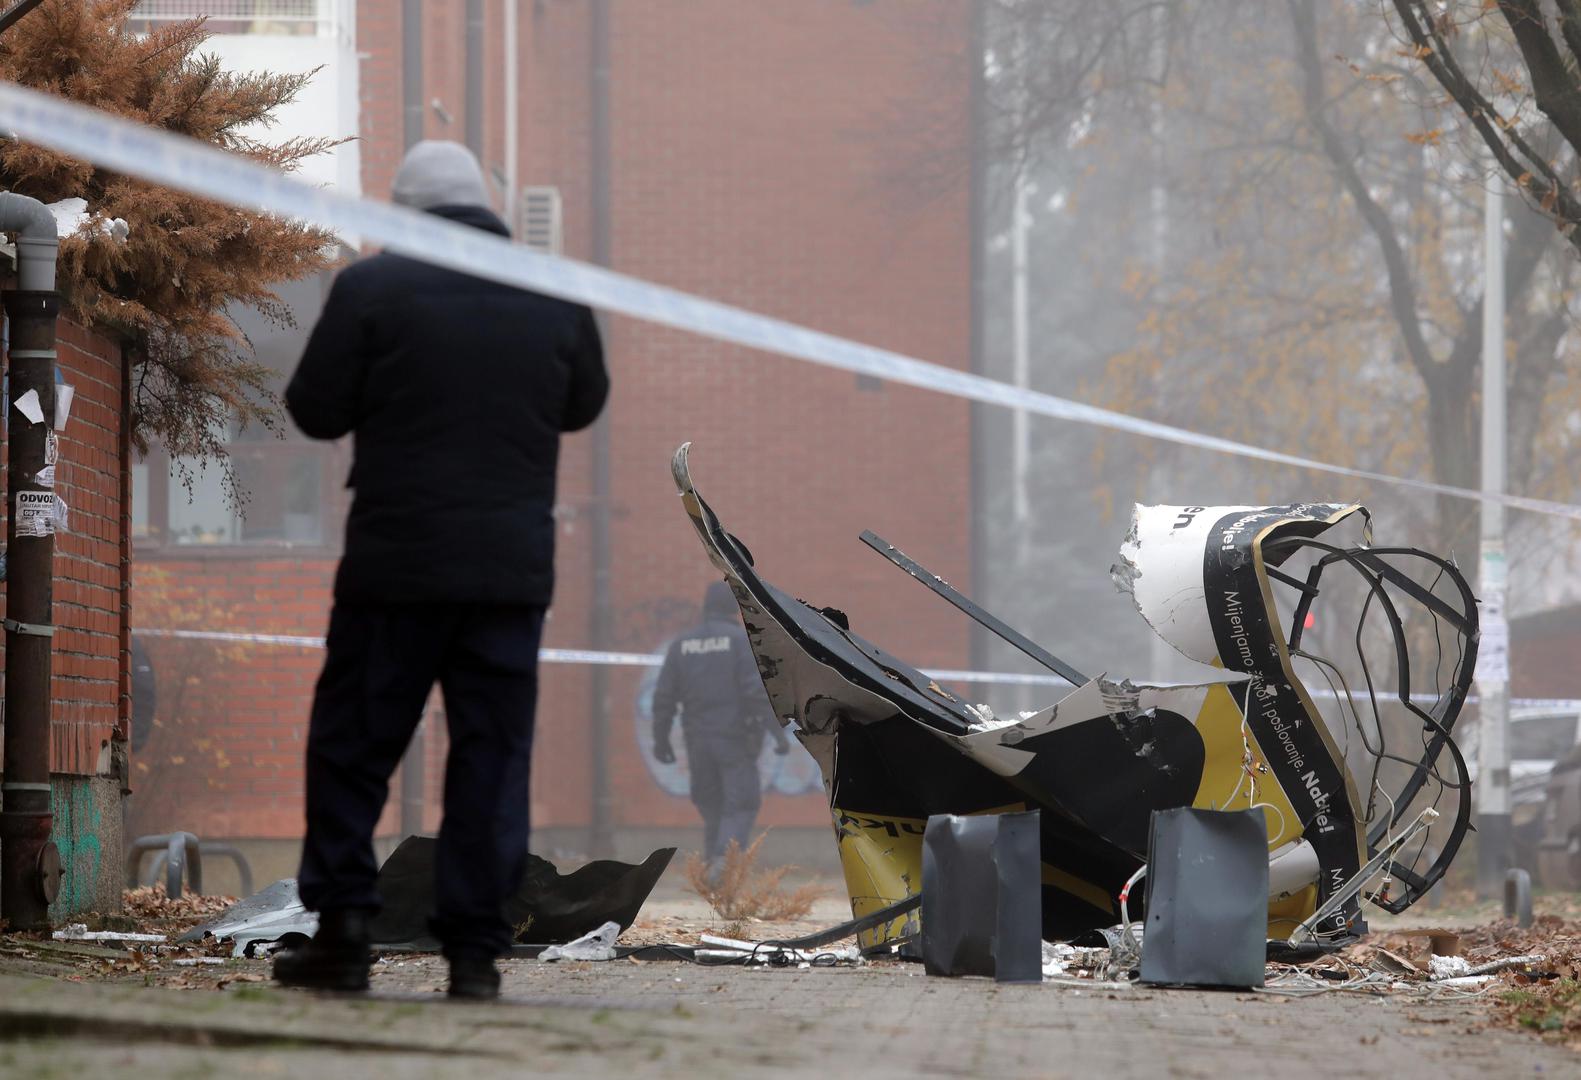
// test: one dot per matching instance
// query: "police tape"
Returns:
(652, 660)
(176, 161)
(573, 656)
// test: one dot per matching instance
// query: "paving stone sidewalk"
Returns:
(664, 1019)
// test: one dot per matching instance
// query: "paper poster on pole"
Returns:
(1493, 651)
(29, 407)
(36, 513)
(64, 392)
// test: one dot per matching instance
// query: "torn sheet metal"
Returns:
(1210, 581)
(1207, 875)
(1198, 577)
(896, 747)
(272, 915)
(548, 907)
(980, 896)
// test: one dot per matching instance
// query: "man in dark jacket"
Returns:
(455, 390)
(710, 675)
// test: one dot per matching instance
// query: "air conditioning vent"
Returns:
(541, 219)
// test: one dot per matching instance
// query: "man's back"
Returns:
(457, 390)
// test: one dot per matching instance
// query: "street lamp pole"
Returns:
(1493, 752)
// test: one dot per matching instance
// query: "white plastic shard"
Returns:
(1161, 567)
(1162, 561)
(1291, 868)
(597, 945)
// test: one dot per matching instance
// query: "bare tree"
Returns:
(1523, 101)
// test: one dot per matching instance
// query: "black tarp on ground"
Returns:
(549, 908)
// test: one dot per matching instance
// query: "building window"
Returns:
(291, 18)
(285, 485)
(291, 490)
(287, 496)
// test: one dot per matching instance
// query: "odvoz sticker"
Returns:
(36, 513)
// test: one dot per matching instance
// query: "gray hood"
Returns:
(440, 173)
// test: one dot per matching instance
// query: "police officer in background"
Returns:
(710, 675)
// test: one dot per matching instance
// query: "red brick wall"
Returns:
(766, 154)
(88, 660)
(1543, 651)
(225, 755)
(755, 153)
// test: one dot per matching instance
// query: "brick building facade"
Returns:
(91, 673)
(804, 159)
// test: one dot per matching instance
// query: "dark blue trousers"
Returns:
(383, 660)
(726, 790)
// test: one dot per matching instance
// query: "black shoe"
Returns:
(474, 977)
(337, 958)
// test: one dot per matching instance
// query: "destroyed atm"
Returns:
(1346, 745)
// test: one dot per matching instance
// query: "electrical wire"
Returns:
(1125, 912)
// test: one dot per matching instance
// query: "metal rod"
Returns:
(602, 819)
(983, 618)
(982, 472)
(15, 12)
(1020, 359)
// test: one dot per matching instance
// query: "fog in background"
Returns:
(1206, 195)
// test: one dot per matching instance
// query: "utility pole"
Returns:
(1492, 675)
(414, 764)
(29, 861)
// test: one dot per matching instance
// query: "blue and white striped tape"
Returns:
(575, 656)
(635, 659)
(179, 162)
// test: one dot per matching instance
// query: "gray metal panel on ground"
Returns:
(1207, 898)
(982, 896)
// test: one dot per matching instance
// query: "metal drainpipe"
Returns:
(412, 71)
(474, 85)
(124, 716)
(602, 826)
(29, 862)
(414, 766)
